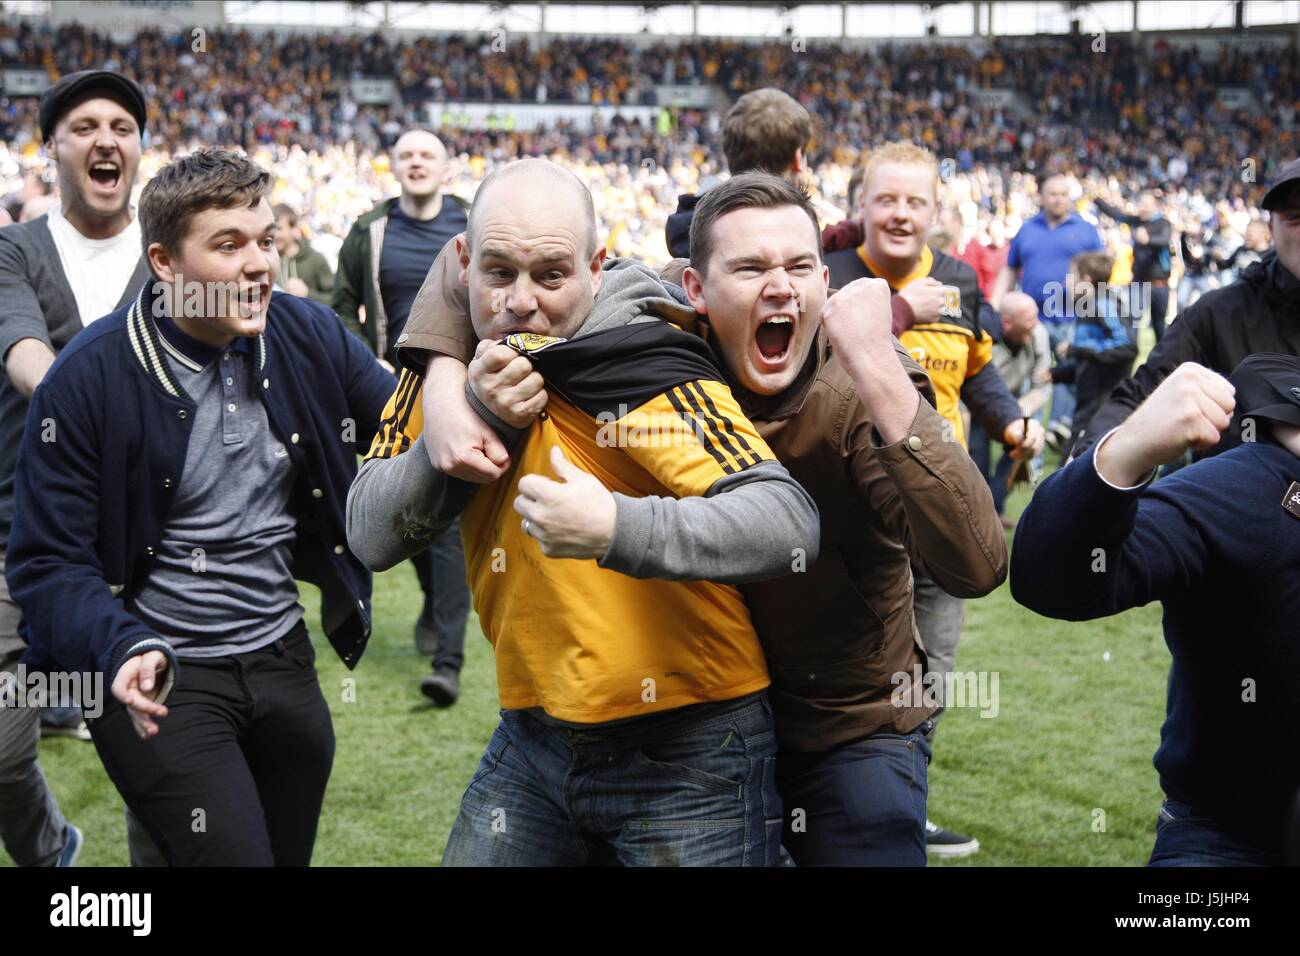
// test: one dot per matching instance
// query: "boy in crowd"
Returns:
(1101, 351)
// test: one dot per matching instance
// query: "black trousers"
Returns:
(441, 571)
(1159, 307)
(237, 773)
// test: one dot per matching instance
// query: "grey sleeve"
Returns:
(23, 317)
(398, 506)
(757, 524)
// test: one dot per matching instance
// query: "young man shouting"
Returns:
(841, 404)
(185, 459)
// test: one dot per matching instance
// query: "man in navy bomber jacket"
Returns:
(1219, 544)
(185, 460)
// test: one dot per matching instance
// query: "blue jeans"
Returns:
(1063, 393)
(981, 450)
(861, 804)
(694, 787)
(1185, 839)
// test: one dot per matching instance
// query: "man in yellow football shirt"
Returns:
(899, 205)
(634, 724)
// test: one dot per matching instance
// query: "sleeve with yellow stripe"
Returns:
(403, 418)
(700, 436)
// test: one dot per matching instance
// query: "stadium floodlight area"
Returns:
(849, 21)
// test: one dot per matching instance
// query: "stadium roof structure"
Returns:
(870, 20)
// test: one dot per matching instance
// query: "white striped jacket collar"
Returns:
(147, 343)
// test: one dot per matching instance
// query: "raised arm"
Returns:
(1095, 540)
(907, 467)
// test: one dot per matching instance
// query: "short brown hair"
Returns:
(283, 210)
(1093, 267)
(185, 187)
(763, 131)
(746, 191)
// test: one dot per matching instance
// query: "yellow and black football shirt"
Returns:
(645, 410)
(951, 349)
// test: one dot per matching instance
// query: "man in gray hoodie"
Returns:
(635, 727)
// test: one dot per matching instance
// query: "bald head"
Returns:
(1019, 316)
(529, 256)
(547, 189)
(420, 163)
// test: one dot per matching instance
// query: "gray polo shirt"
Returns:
(222, 581)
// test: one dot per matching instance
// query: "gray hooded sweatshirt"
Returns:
(756, 524)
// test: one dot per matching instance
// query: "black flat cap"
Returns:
(1268, 386)
(73, 88)
(1287, 178)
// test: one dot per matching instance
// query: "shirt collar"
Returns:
(188, 350)
(923, 267)
(1070, 219)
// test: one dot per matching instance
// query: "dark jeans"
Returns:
(1159, 308)
(981, 450)
(862, 804)
(441, 571)
(236, 775)
(694, 787)
(1185, 839)
(1063, 400)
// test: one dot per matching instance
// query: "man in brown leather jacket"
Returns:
(840, 402)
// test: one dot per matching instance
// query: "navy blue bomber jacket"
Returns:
(103, 451)
(1219, 544)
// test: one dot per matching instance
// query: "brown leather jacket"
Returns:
(840, 636)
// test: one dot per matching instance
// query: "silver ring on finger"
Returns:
(528, 527)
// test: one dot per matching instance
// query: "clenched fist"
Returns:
(859, 322)
(1189, 409)
(925, 296)
(458, 442)
(507, 384)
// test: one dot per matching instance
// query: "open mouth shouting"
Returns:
(105, 175)
(773, 340)
(253, 300)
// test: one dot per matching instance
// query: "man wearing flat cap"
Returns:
(1219, 544)
(58, 273)
(1257, 313)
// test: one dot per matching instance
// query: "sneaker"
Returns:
(1058, 436)
(442, 686)
(943, 842)
(76, 730)
(71, 849)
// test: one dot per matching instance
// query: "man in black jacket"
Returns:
(765, 131)
(1257, 313)
(1152, 234)
(1218, 545)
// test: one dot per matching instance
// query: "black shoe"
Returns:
(943, 842)
(442, 686)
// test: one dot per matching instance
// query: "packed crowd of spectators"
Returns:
(1132, 119)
